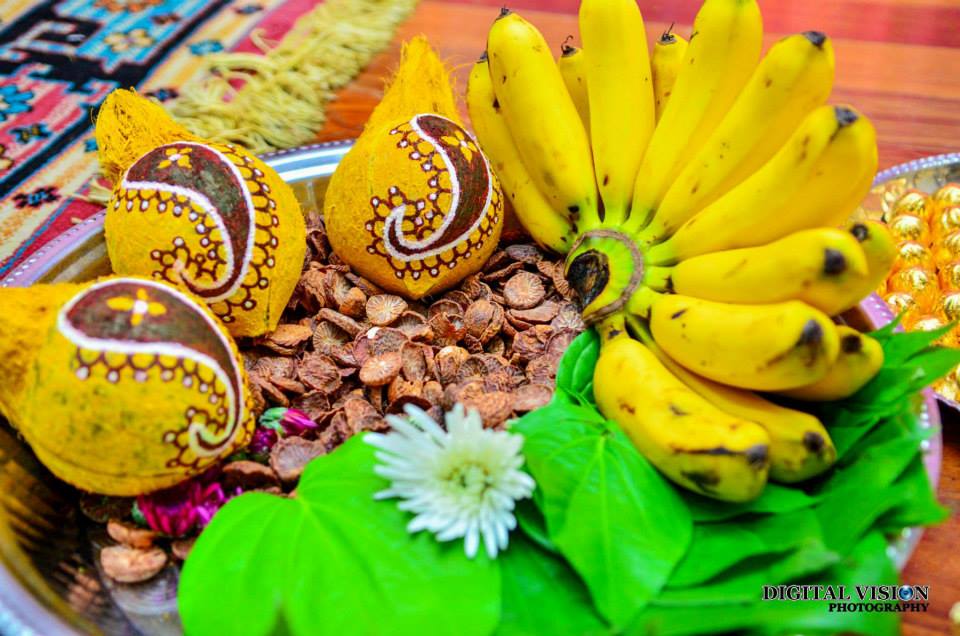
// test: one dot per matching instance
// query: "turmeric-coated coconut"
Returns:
(122, 386)
(209, 217)
(414, 205)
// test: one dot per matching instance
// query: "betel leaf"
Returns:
(610, 513)
(531, 521)
(867, 564)
(575, 371)
(542, 595)
(774, 499)
(917, 505)
(855, 496)
(715, 547)
(332, 560)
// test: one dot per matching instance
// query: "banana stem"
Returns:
(612, 327)
(658, 278)
(641, 302)
(639, 329)
(589, 220)
(660, 254)
(606, 268)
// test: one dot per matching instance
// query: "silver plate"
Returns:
(44, 543)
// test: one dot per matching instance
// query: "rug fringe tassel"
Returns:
(282, 95)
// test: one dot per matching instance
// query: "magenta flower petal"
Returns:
(179, 510)
(263, 441)
(297, 422)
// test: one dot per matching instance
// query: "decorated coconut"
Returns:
(121, 386)
(414, 206)
(209, 217)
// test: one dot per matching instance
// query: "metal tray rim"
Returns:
(21, 613)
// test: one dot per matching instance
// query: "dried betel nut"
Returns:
(291, 455)
(130, 535)
(320, 372)
(524, 290)
(380, 370)
(384, 309)
(132, 565)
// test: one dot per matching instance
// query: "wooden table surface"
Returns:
(898, 61)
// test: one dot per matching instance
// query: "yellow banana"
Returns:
(793, 78)
(805, 185)
(880, 249)
(571, 65)
(541, 117)
(816, 266)
(869, 160)
(860, 358)
(689, 440)
(547, 227)
(665, 62)
(800, 447)
(718, 61)
(621, 98)
(761, 347)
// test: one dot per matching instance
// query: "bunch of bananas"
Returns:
(697, 192)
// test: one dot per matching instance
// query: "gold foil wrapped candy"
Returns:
(947, 250)
(945, 221)
(948, 306)
(209, 217)
(912, 202)
(950, 276)
(908, 227)
(931, 323)
(947, 196)
(924, 284)
(948, 388)
(913, 254)
(901, 303)
(121, 386)
(919, 283)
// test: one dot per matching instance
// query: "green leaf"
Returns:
(332, 560)
(531, 521)
(918, 502)
(718, 546)
(741, 582)
(774, 499)
(867, 564)
(610, 513)
(854, 497)
(575, 372)
(542, 595)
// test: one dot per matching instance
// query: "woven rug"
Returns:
(60, 58)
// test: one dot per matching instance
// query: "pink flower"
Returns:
(287, 422)
(190, 505)
(262, 442)
(276, 423)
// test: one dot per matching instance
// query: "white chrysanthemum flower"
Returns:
(462, 482)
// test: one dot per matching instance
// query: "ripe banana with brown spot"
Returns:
(860, 359)
(805, 185)
(665, 64)
(880, 249)
(817, 266)
(723, 51)
(760, 347)
(571, 65)
(548, 227)
(793, 78)
(621, 98)
(800, 447)
(541, 118)
(689, 440)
